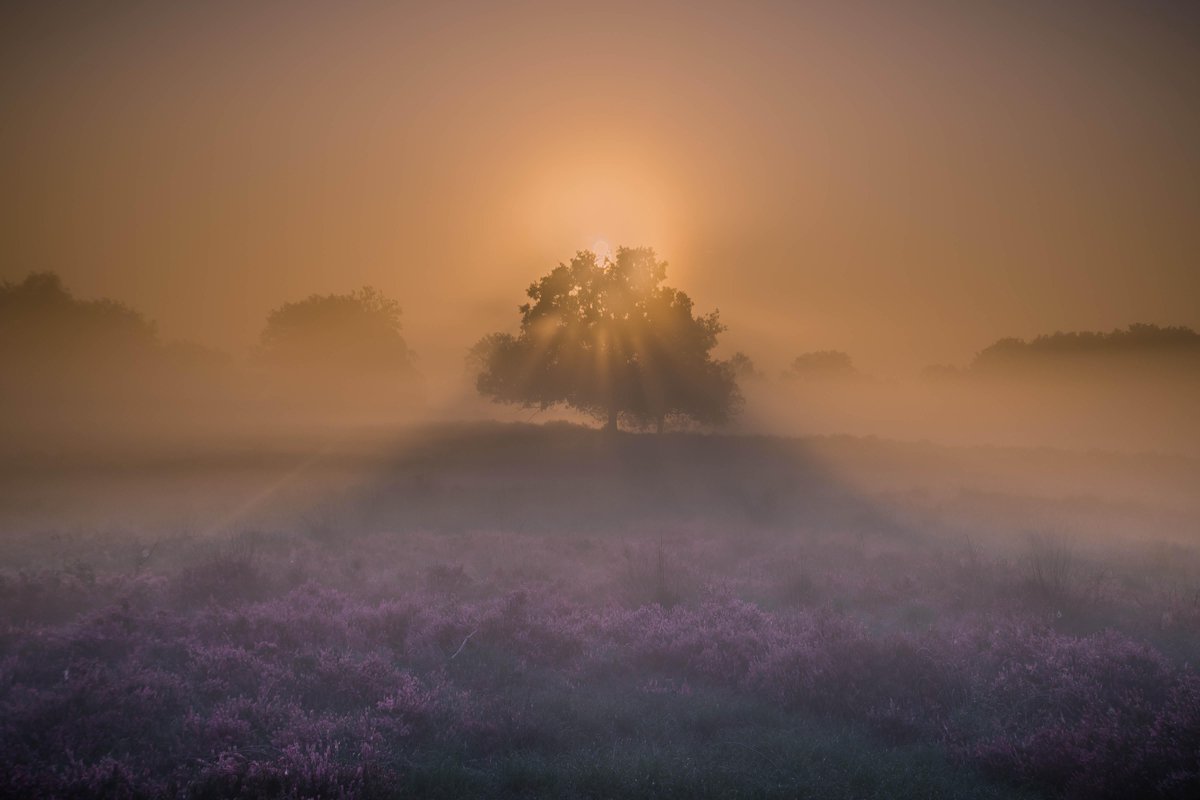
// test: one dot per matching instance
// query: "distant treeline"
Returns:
(820, 365)
(1173, 349)
(81, 365)
(1169, 351)
(1140, 340)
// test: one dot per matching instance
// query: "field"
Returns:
(527, 611)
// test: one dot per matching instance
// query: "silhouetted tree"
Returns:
(62, 358)
(1140, 340)
(743, 367)
(607, 338)
(71, 366)
(820, 365)
(342, 347)
(356, 331)
(42, 323)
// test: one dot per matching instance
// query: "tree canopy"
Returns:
(356, 332)
(820, 365)
(607, 338)
(744, 368)
(1139, 340)
(41, 320)
(340, 352)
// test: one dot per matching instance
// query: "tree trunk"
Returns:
(660, 425)
(611, 425)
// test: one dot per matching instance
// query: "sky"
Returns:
(905, 181)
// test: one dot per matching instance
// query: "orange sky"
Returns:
(904, 181)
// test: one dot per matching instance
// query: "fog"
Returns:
(647, 399)
(88, 372)
(905, 182)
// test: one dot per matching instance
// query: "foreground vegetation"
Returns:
(279, 666)
(678, 616)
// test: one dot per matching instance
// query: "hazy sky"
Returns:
(905, 181)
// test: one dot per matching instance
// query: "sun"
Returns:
(603, 250)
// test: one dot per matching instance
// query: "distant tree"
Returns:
(70, 366)
(743, 367)
(609, 339)
(43, 324)
(344, 332)
(343, 347)
(1139, 340)
(820, 365)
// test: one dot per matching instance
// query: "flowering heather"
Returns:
(389, 671)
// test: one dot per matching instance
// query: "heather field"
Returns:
(517, 611)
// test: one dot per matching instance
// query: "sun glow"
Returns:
(586, 196)
(603, 250)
